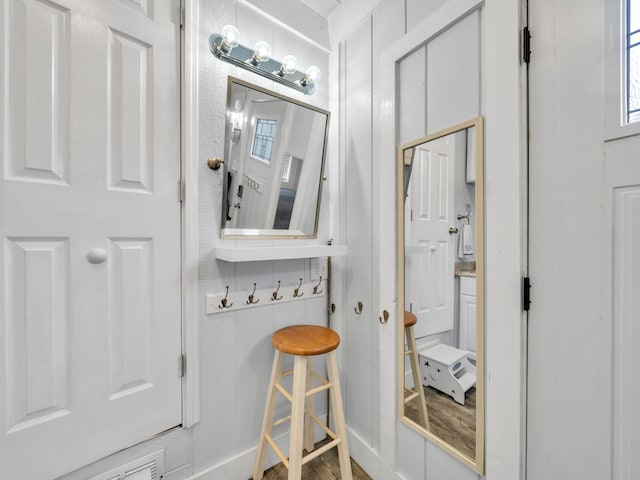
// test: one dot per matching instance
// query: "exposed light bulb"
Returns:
(289, 65)
(230, 37)
(312, 75)
(261, 53)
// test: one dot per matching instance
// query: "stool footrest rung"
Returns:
(313, 391)
(283, 391)
(411, 397)
(280, 421)
(326, 429)
(276, 449)
(320, 451)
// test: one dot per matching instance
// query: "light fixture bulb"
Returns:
(261, 53)
(230, 37)
(312, 74)
(289, 65)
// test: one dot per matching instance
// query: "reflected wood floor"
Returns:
(450, 421)
(324, 467)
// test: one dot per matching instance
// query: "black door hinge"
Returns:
(526, 45)
(526, 294)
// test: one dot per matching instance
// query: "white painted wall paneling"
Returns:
(359, 397)
(236, 351)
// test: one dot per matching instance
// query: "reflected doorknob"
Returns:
(453, 230)
(97, 255)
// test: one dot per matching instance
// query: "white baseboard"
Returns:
(240, 467)
(369, 459)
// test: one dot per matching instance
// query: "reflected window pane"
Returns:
(263, 139)
(632, 46)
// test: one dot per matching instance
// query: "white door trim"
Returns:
(190, 214)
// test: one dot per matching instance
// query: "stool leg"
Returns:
(267, 420)
(338, 416)
(417, 380)
(310, 409)
(297, 417)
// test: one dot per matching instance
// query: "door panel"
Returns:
(569, 325)
(430, 245)
(90, 230)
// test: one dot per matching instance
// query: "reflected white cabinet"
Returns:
(467, 304)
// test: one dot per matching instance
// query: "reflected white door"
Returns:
(89, 230)
(430, 251)
(262, 166)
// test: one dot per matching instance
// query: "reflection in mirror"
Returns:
(441, 297)
(274, 162)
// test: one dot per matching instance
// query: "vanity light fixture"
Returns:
(225, 46)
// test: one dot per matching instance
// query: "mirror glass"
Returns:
(441, 265)
(274, 162)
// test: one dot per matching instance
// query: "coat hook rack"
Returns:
(315, 288)
(251, 301)
(222, 302)
(274, 295)
(225, 301)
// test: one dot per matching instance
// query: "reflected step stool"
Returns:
(447, 369)
(304, 342)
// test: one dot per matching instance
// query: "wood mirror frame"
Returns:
(475, 462)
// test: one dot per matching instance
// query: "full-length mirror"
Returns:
(441, 297)
(274, 161)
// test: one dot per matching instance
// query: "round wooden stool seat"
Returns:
(409, 319)
(305, 340)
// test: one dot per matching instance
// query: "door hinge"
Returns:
(183, 366)
(182, 13)
(526, 45)
(526, 294)
(182, 190)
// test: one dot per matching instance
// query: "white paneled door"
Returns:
(430, 252)
(90, 325)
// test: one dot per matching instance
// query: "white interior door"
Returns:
(90, 230)
(430, 251)
(584, 232)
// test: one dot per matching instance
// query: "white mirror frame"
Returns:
(477, 463)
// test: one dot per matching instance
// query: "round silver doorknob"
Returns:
(453, 230)
(432, 248)
(97, 255)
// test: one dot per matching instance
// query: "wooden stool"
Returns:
(409, 321)
(304, 341)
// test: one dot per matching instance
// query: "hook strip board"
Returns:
(238, 300)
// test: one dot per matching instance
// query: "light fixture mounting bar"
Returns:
(240, 56)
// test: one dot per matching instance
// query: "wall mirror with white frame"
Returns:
(274, 162)
(441, 290)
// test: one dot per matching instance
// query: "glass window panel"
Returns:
(634, 79)
(634, 15)
(635, 38)
(263, 139)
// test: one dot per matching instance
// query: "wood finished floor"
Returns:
(324, 467)
(450, 421)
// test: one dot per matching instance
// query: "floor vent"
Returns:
(149, 467)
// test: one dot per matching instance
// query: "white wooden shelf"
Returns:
(256, 254)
